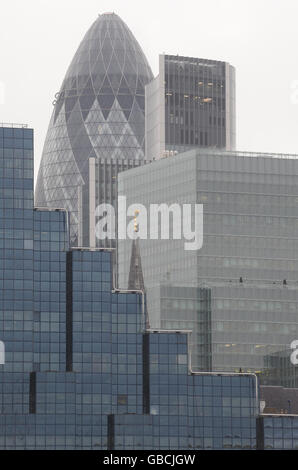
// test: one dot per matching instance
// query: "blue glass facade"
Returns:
(189, 411)
(280, 432)
(80, 372)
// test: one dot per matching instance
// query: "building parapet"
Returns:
(13, 125)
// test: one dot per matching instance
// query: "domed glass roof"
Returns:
(98, 112)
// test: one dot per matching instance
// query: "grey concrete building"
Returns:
(190, 103)
(102, 188)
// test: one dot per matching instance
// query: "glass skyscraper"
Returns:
(249, 253)
(81, 371)
(99, 113)
(191, 103)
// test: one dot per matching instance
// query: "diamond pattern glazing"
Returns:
(99, 111)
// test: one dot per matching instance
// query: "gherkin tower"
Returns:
(99, 113)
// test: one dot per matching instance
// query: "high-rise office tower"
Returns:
(99, 115)
(248, 258)
(191, 103)
(80, 370)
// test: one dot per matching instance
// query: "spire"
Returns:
(136, 278)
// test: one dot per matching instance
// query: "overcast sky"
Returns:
(38, 39)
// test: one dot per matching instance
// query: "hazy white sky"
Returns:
(38, 39)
